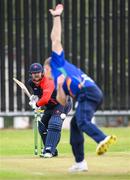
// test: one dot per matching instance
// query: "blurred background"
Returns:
(95, 37)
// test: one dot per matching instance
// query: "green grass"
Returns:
(18, 162)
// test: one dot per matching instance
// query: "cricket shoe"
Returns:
(104, 145)
(48, 154)
(58, 10)
(79, 167)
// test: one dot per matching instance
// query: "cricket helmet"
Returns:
(35, 68)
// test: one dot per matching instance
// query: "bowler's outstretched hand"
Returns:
(57, 11)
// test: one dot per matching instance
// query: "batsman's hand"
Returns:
(33, 101)
(34, 98)
(33, 105)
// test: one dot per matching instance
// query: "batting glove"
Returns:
(33, 105)
(33, 101)
(34, 98)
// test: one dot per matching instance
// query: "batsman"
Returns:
(44, 95)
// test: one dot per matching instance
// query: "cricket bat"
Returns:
(23, 87)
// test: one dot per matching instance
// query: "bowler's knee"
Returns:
(84, 124)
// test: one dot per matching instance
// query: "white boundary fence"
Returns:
(102, 118)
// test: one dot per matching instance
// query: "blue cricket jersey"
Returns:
(75, 78)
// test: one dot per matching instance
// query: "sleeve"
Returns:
(57, 59)
(48, 88)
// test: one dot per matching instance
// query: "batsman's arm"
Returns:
(48, 88)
